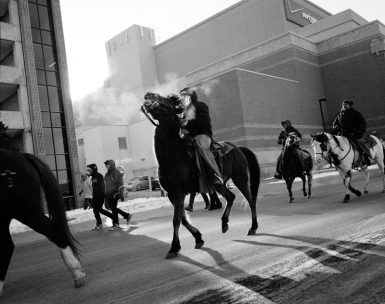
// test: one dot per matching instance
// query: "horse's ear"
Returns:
(312, 136)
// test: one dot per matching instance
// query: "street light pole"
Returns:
(322, 114)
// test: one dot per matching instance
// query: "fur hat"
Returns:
(347, 101)
(191, 92)
(93, 167)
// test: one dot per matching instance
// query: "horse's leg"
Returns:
(43, 225)
(6, 252)
(346, 178)
(289, 183)
(366, 182)
(309, 183)
(303, 177)
(380, 160)
(194, 231)
(230, 197)
(246, 191)
(177, 199)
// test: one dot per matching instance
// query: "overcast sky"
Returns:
(88, 24)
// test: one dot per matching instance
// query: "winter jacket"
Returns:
(285, 133)
(350, 122)
(113, 180)
(202, 122)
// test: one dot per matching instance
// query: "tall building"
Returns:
(34, 91)
(259, 62)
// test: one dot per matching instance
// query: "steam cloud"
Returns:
(106, 107)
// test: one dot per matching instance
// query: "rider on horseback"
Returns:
(289, 130)
(197, 123)
(351, 124)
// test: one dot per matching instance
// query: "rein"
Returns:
(338, 146)
(148, 116)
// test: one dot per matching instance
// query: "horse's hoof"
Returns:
(80, 280)
(225, 228)
(304, 194)
(171, 255)
(383, 191)
(190, 209)
(252, 232)
(199, 244)
(358, 193)
(309, 196)
(366, 192)
(291, 200)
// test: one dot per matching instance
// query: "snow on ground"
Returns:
(146, 204)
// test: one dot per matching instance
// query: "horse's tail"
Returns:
(55, 202)
(254, 169)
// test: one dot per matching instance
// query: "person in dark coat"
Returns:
(351, 124)
(289, 129)
(98, 191)
(114, 191)
(197, 123)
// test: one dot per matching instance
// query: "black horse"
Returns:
(289, 167)
(178, 174)
(21, 178)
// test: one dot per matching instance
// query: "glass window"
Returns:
(44, 18)
(57, 120)
(43, 98)
(36, 35)
(50, 160)
(54, 101)
(42, 2)
(38, 51)
(33, 15)
(45, 119)
(46, 37)
(40, 74)
(48, 141)
(62, 178)
(49, 59)
(122, 143)
(51, 78)
(59, 140)
(62, 162)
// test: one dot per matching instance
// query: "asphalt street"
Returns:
(315, 250)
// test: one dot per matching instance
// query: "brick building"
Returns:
(260, 62)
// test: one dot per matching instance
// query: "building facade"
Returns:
(35, 101)
(260, 62)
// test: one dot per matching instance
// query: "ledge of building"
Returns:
(261, 49)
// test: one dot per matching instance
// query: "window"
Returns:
(43, 97)
(122, 143)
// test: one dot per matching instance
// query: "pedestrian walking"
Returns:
(114, 192)
(86, 191)
(98, 192)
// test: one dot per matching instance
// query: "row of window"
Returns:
(50, 95)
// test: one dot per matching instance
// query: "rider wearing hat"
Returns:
(197, 123)
(289, 130)
(351, 124)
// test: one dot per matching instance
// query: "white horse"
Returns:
(338, 149)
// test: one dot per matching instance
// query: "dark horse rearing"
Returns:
(177, 173)
(21, 177)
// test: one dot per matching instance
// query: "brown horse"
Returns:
(177, 172)
(21, 178)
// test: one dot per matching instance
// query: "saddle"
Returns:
(359, 157)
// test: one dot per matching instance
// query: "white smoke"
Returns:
(106, 107)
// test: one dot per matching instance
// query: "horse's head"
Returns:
(320, 144)
(291, 139)
(159, 107)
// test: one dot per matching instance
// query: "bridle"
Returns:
(148, 116)
(324, 148)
